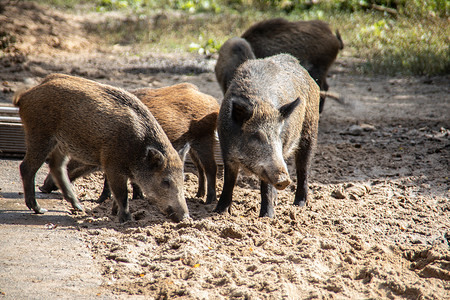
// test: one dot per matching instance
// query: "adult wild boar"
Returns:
(311, 42)
(187, 116)
(231, 55)
(270, 112)
(98, 125)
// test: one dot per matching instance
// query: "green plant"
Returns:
(206, 47)
(194, 6)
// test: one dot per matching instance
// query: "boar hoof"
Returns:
(106, 193)
(102, 198)
(32, 204)
(39, 210)
(200, 194)
(47, 189)
(268, 214)
(124, 217)
(300, 203)
(77, 206)
(221, 210)
(211, 200)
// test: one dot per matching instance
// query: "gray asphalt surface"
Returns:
(42, 256)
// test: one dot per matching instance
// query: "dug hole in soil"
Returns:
(377, 224)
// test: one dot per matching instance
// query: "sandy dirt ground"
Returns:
(377, 225)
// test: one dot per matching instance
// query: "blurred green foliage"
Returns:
(192, 6)
(414, 8)
(206, 46)
(388, 36)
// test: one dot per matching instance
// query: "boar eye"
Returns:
(165, 183)
(257, 137)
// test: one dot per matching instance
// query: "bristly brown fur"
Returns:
(98, 125)
(187, 116)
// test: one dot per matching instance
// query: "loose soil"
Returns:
(376, 226)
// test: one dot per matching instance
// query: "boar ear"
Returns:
(155, 158)
(183, 151)
(287, 109)
(241, 112)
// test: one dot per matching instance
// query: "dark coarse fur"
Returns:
(187, 116)
(270, 112)
(231, 55)
(98, 125)
(311, 42)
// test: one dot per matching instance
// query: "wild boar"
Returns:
(270, 112)
(311, 42)
(187, 116)
(231, 55)
(98, 125)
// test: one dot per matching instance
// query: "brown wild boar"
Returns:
(311, 42)
(270, 112)
(187, 116)
(98, 125)
(231, 55)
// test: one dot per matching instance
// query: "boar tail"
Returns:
(338, 36)
(17, 95)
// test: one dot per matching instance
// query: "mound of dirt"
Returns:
(34, 29)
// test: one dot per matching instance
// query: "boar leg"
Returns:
(230, 175)
(268, 198)
(319, 74)
(118, 185)
(58, 169)
(106, 192)
(28, 169)
(137, 192)
(201, 174)
(49, 184)
(301, 162)
(75, 170)
(37, 152)
(205, 151)
(302, 159)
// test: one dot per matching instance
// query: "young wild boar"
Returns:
(311, 42)
(270, 111)
(187, 116)
(98, 125)
(231, 55)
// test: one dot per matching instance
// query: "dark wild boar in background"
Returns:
(311, 42)
(231, 55)
(98, 125)
(187, 116)
(270, 112)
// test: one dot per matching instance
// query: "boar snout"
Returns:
(176, 216)
(281, 185)
(279, 179)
